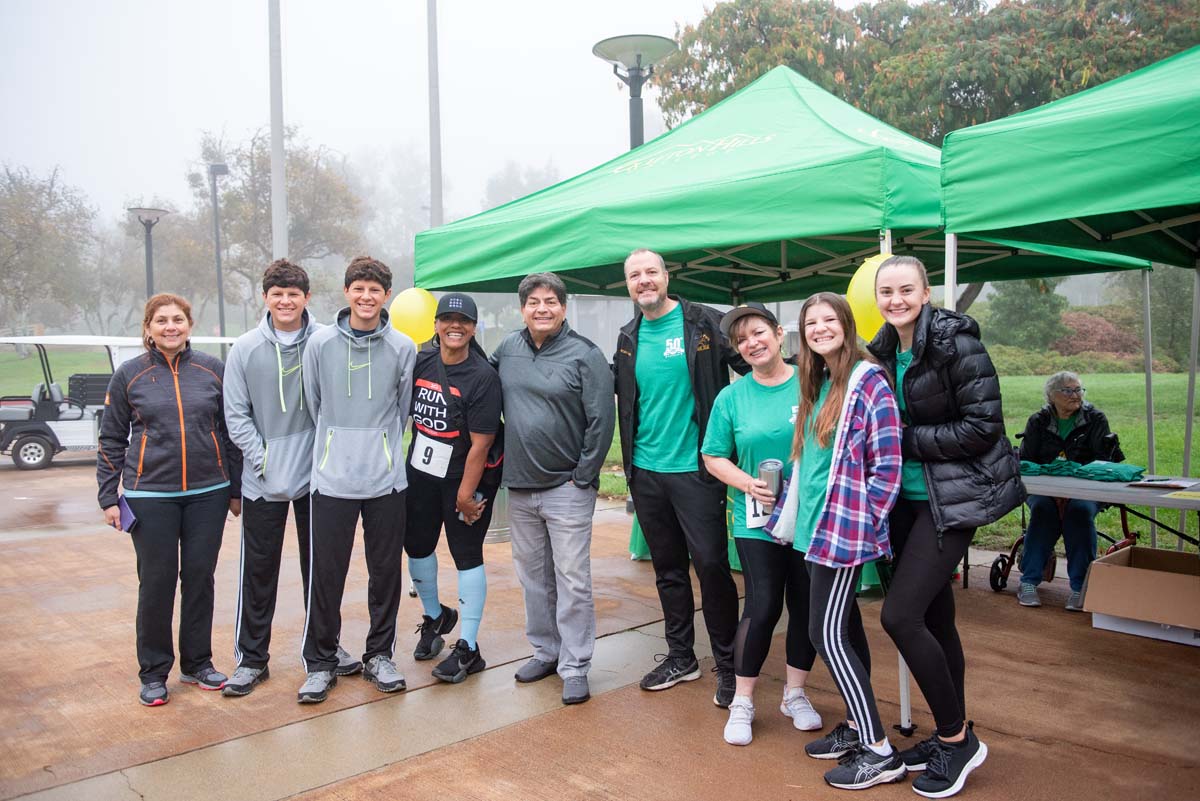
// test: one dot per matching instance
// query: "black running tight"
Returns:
(772, 573)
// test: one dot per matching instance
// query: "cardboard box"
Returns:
(1158, 589)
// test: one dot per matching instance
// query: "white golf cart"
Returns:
(34, 427)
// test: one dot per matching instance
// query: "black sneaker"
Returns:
(861, 768)
(835, 744)
(461, 663)
(948, 766)
(726, 686)
(431, 629)
(670, 671)
(914, 758)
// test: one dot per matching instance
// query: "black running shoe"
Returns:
(861, 768)
(914, 758)
(949, 764)
(461, 663)
(670, 671)
(726, 687)
(835, 744)
(431, 631)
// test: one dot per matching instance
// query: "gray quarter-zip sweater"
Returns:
(265, 411)
(558, 410)
(358, 391)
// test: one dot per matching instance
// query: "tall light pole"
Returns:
(435, 120)
(279, 205)
(636, 54)
(213, 171)
(149, 218)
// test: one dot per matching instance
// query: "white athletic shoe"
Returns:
(797, 707)
(741, 715)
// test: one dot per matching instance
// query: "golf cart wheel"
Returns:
(998, 576)
(32, 453)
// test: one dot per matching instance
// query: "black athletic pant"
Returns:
(333, 523)
(681, 513)
(263, 525)
(431, 505)
(918, 612)
(176, 539)
(772, 572)
(835, 625)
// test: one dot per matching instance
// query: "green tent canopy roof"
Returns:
(1115, 168)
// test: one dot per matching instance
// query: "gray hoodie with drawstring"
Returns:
(265, 411)
(358, 392)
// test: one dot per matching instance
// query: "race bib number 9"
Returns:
(756, 516)
(430, 456)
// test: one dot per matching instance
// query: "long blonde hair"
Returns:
(814, 368)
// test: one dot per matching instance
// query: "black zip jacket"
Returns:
(709, 359)
(954, 423)
(163, 428)
(1084, 443)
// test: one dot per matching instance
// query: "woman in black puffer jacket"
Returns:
(959, 473)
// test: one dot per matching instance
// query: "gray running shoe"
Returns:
(535, 670)
(670, 671)
(575, 690)
(1074, 602)
(206, 678)
(839, 742)
(153, 693)
(244, 680)
(861, 768)
(382, 671)
(347, 665)
(316, 687)
(1027, 595)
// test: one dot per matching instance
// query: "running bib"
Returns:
(430, 456)
(755, 516)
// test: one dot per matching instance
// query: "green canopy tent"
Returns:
(1115, 168)
(776, 192)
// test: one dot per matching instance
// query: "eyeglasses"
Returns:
(1071, 391)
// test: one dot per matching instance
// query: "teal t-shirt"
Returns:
(757, 422)
(912, 473)
(667, 435)
(815, 463)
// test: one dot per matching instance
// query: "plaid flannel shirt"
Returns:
(865, 476)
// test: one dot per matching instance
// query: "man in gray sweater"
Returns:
(559, 417)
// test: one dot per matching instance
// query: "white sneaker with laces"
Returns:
(741, 716)
(797, 707)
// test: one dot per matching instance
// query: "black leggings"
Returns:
(835, 626)
(918, 612)
(772, 572)
(431, 505)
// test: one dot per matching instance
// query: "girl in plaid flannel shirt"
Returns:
(844, 482)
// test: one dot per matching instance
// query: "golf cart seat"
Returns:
(50, 403)
(15, 409)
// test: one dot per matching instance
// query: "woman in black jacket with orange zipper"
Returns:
(163, 440)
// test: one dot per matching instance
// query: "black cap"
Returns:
(457, 303)
(745, 310)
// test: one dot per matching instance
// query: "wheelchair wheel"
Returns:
(998, 575)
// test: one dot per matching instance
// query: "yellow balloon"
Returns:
(412, 313)
(861, 297)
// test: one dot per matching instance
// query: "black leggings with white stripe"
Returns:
(836, 629)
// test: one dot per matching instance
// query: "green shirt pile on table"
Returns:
(1093, 471)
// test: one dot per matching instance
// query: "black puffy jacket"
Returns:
(954, 423)
(1084, 443)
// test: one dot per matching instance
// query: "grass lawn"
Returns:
(20, 373)
(1121, 396)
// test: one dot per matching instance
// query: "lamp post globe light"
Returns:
(213, 171)
(636, 54)
(149, 218)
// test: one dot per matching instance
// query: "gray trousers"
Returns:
(552, 553)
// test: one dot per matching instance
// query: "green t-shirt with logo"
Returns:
(1065, 427)
(667, 434)
(757, 422)
(912, 472)
(815, 463)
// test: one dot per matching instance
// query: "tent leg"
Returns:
(1191, 392)
(951, 300)
(905, 726)
(885, 241)
(1148, 357)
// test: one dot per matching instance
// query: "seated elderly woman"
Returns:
(1067, 427)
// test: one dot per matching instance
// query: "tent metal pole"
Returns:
(885, 241)
(1148, 357)
(951, 277)
(1191, 391)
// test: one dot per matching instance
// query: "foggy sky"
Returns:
(117, 92)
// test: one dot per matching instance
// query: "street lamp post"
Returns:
(636, 54)
(149, 218)
(213, 171)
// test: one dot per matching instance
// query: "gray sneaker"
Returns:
(575, 690)
(206, 678)
(316, 687)
(1074, 602)
(535, 670)
(1027, 595)
(153, 693)
(244, 680)
(382, 671)
(347, 665)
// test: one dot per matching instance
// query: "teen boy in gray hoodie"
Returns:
(267, 420)
(358, 379)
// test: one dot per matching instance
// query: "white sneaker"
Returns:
(797, 707)
(741, 715)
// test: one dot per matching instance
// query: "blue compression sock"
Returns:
(472, 592)
(424, 575)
